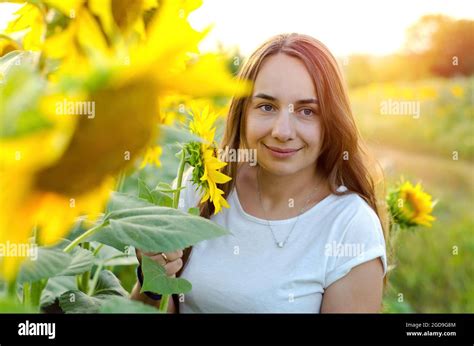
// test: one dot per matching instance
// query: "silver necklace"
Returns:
(281, 244)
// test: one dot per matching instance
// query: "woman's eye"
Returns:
(266, 108)
(307, 112)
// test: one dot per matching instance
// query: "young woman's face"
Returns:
(283, 121)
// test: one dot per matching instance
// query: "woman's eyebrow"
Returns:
(271, 98)
(264, 96)
(305, 101)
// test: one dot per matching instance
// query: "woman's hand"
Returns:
(172, 265)
(173, 262)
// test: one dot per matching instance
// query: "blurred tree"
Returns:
(444, 44)
(358, 70)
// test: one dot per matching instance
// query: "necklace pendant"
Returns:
(281, 244)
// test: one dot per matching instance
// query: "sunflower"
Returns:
(121, 65)
(211, 177)
(202, 156)
(410, 206)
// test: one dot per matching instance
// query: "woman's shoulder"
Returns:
(352, 201)
(355, 214)
(358, 225)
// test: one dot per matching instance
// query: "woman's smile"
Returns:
(281, 153)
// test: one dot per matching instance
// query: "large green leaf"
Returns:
(114, 305)
(155, 228)
(109, 256)
(108, 282)
(50, 262)
(155, 279)
(75, 301)
(120, 201)
(56, 287)
(82, 259)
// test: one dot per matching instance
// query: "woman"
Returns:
(307, 232)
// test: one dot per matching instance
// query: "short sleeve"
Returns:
(189, 197)
(361, 241)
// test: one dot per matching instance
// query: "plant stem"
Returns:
(182, 164)
(120, 181)
(26, 294)
(35, 293)
(95, 279)
(96, 251)
(11, 289)
(164, 303)
(85, 276)
(84, 236)
(166, 297)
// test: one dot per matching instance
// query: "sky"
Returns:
(347, 27)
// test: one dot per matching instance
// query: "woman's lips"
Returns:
(281, 152)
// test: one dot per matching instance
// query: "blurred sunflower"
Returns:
(202, 156)
(410, 206)
(457, 91)
(7, 45)
(152, 157)
(118, 61)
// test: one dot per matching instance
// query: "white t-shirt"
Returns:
(246, 272)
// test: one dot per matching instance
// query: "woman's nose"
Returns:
(283, 127)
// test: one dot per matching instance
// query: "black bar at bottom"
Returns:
(136, 329)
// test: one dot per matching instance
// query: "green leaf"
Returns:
(49, 263)
(122, 260)
(76, 301)
(120, 201)
(157, 229)
(194, 211)
(82, 261)
(155, 197)
(55, 287)
(155, 279)
(115, 305)
(167, 188)
(108, 286)
(109, 256)
(108, 282)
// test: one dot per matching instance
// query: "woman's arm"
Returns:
(359, 291)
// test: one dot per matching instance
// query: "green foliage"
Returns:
(49, 263)
(156, 280)
(75, 301)
(155, 228)
(444, 125)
